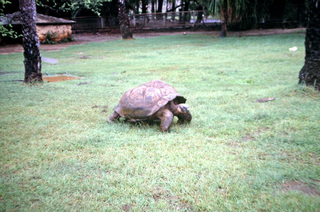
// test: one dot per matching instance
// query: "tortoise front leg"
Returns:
(113, 117)
(166, 118)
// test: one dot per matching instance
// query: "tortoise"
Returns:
(155, 100)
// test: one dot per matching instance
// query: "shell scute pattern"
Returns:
(146, 99)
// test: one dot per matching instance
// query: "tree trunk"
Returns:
(199, 15)
(144, 6)
(159, 16)
(186, 15)
(223, 32)
(310, 72)
(225, 17)
(124, 21)
(160, 4)
(173, 15)
(152, 6)
(31, 44)
(137, 7)
(301, 8)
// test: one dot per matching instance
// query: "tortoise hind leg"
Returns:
(113, 117)
(166, 117)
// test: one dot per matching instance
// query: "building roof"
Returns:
(15, 18)
(45, 19)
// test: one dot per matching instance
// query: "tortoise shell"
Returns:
(146, 99)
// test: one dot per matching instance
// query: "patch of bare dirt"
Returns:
(255, 134)
(89, 37)
(175, 202)
(60, 78)
(127, 208)
(299, 186)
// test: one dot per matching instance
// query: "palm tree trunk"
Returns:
(310, 72)
(32, 57)
(124, 20)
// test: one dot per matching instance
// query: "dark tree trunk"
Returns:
(223, 32)
(200, 14)
(152, 6)
(124, 21)
(310, 72)
(160, 4)
(301, 8)
(137, 7)
(186, 8)
(144, 6)
(173, 15)
(159, 16)
(32, 57)
(224, 12)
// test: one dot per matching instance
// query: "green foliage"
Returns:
(246, 13)
(290, 12)
(2, 6)
(58, 153)
(67, 39)
(52, 37)
(3, 3)
(6, 30)
(74, 6)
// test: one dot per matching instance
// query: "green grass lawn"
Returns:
(58, 153)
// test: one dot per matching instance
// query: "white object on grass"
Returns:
(293, 49)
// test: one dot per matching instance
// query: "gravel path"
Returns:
(87, 37)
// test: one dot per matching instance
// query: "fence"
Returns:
(94, 23)
(165, 21)
(182, 19)
(172, 19)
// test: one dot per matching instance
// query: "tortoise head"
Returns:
(183, 114)
(183, 108)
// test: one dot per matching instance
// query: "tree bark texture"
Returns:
(124, 21)
(31, 44)
(223, 32)
(199, 15)
(160, 5)
(173, 15)
(310, 72)
(224, 13)
(186, 16)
